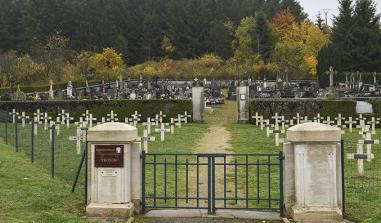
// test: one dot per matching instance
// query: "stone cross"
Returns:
(257, 118)
(318, 118)
(63, 116)
(91, 119)
(81, 123)
(135, 119)
(173, 124)
(86, 115)
(68, 119)
(331, 72)
(34, 124)
(268, 126)
(276, 119)
(360, 156)
(23, 119)
(46, 118)
(373, 123)
(148, 123)
(178, 120)
(38, 114)
(57, 123)
(297, 118)
(350, 123)
(185, 117)
(328, 121)
(276, 132)
(339, 119)
(361, 120)
(262, 123)
(79, 137)
(145, 139)
(364, 130)
(156, 119)
(112, 117)
(14, 114)
(161, 116)
(162, 131)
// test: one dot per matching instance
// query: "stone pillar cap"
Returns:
(112, 132)
(313, 132)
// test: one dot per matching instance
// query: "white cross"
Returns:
(145, 139)
(81, 123)
(339, 119)
(297, 118)
(162, 131)
(178, 120)
(13, 113)
(35, 125)
(276, 119)
(361, 120)
(112, 117)
(364, 130)
(87, 116)
(161, 116)
(328, 121)
(318, 118)
(63, 116)
(58, 130)
(373, 123)
(38, 114)
(79, 137)
(268, 125)
(148, 124)
(46, 118)
(186, 116)
(23, 119)
(91, 119)
(51, 124)
(276, 132)
(156, 119)
(68, 119)
(305, 120)
(257, 118)
(173, 124)
(350, 123)
(135, 119)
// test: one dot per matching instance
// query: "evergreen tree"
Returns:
(366, 53)
(319, 21)
(296, 9)
(264, 39)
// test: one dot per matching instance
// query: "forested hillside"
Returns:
(135, 28)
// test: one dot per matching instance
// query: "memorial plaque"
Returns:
(109, 156)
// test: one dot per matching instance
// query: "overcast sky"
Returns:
(312, 7)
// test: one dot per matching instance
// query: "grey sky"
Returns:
(312, 7)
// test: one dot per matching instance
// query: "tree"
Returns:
(295, 8)
(264, 39)
(109, 63)
(121, 45)
(167, 47)
(243, 40)
(366, 53)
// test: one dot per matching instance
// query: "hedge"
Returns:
(100, 108)
(29, 89)
(305, 107)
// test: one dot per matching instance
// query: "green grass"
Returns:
(28, 194)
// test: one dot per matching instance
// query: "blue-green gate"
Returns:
(213, 181)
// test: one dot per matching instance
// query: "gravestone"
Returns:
(313, 182)
(115, 182)
(363, 107)
(198, 103)
(243, 114)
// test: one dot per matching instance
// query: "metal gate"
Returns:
(213, 181)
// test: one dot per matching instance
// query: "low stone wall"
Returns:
(100, 108)
(307, 107)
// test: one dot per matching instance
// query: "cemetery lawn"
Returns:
(28, 194)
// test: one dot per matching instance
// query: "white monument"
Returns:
(313, 181)
(243, 113)
(198, 103)
(115, 184)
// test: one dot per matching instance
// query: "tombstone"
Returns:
(215, 89)
(363, 107)
(198, 104)
(115, 182)
(51, 92)
(232, 91)
(243, 113)
(313, 181)
(69, 91)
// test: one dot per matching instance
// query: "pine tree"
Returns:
(296, 9)
(366, 54)
(264, 39)
(121, 46)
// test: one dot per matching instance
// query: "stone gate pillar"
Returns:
(115, 180)
(243, 113)
(198, 102)
(313, 182)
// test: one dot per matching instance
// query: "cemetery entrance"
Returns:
(213, 181)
